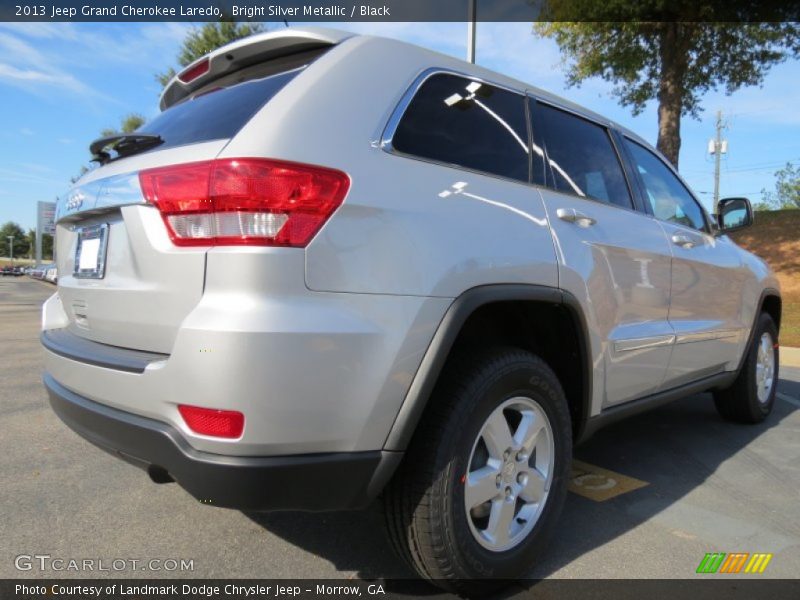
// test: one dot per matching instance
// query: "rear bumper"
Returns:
(313, 372)
(315, 482)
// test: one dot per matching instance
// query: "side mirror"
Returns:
(734, 214)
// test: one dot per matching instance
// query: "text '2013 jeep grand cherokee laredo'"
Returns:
(337, 266)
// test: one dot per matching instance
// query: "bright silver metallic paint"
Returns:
(318, 347)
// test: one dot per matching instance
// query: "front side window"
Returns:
(467, 123)
(667, 196)
(582, 157)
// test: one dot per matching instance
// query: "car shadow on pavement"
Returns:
(675, 448)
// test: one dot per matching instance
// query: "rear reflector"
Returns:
(213, 422)
(194, 71)
(244, 201)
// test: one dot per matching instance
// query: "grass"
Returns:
(775, 237)
(18, 262)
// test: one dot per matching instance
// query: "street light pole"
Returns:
(471, 25)
(11, 248)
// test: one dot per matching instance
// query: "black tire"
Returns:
(739, 403)
(424, 503)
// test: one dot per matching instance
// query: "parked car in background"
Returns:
(312, 280)
(11, 271)
(51, 273)
(38, 271)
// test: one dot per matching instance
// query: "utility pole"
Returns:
(471, 26)
(717, 147)
(11, 248)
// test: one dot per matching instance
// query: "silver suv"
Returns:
(338, 266)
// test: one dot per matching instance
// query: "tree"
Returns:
(21, 244)
(129, 124)
(787, 190)
(47, 245)
(672, 62)
(200, 41)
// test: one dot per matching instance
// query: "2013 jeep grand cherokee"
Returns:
(338, 266)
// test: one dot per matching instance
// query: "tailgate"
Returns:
(130, 286)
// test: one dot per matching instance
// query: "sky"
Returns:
(61, 83)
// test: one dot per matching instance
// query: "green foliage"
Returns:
(83, 171)
(675, 63)
(199, 41)
(47, 245)
(202, 40)
(787, 190)
(21, 242)
(129, 124)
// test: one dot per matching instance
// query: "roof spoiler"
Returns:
(242, 53)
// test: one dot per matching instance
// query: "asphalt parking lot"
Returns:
(711, 487)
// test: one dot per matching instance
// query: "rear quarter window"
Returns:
(458, 121)
(217, 113)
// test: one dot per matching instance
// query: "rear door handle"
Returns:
(684, 241)
(570, 215)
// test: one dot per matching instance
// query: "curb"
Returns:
(790, 357)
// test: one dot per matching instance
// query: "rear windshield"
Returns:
(218, 113)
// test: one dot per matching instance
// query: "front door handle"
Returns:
(684, 241)
(570, 215)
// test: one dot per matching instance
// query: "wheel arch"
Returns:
(770, 302)
(458, 317)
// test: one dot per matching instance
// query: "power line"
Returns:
(763, 167)
(746, 167)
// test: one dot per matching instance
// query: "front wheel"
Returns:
(482, 485)
(751, 397)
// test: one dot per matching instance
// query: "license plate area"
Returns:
(90, 253)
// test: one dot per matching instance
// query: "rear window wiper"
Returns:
(123, 144)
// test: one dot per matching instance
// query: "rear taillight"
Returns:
(244, 201)
(213, 422)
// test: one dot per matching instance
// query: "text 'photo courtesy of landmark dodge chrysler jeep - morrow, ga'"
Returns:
(338, 267)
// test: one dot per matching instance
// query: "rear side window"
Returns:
(667, 196)
(218, 113)
(462, 122)
(582, 158)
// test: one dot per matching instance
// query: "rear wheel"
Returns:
(481, 488)
(751, 397)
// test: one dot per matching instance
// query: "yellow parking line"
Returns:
(598, 484)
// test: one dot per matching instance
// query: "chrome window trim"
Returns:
(527, 94)
(405, 100)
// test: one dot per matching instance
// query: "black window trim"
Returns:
(402, 106)
(631, 165)
(550, 177)
(535, 138)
